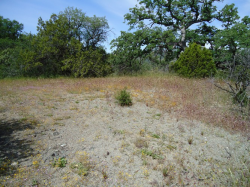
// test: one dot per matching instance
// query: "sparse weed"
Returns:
(190, 140)
(157, 116)
(60, 162)
(80, 168)
(168, 171)
(240, 177)
(123, 176)
(34, 182)
(104, 174)
(142, 132)
(152, 154)
(156, 136)
(146, 172)
(171, 147)
(118, 132)
(144, 162)
(165, 172)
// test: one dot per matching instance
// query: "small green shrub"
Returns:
(60, 162)
(165, 172)
(150, 153)
(155, 136)
(34, 182)
(195, 61)
(81, 169)
(242, 98)
(123, 97)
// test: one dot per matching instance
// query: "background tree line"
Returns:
(68, 44)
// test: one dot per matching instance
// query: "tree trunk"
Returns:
(183, 37)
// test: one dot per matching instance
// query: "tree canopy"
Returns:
(178, 15)
(10, 29)
(131, 49)
(63, 37)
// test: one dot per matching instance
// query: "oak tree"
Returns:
(178, 15)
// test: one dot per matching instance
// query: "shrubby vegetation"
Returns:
(69, 43)
(133, 51)
(11, 42)
(123, 98)
(195, 62)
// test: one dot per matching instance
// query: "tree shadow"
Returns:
(13, 147)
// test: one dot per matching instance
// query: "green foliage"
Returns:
(165, 171)
(34, 182)
(156, 136)
(10, 29)
(230, 41)
(6, 43)
(195, 61)
(231, 53)
(68, 44)
(238, 79)
(90, 63)
(123, 97)
(132, 50)
(11, 43)
(242, 98)
(60, 162)
(150, 153)
(81, 169)
(228, 15)
(202, 35)
(175, 14)
(9, 63)
(142, 49)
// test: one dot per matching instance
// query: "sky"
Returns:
(27, 12)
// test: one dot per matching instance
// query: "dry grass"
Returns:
(192, 99)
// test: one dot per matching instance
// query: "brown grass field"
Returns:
(72, 132)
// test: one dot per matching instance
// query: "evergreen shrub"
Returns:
(195, 61)
(123, 97)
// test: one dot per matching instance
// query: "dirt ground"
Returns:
(62, 138)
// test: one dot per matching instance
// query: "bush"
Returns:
(195, 61)
(123, 97)
(238, 78)
(10, 65)
(60, 162)
(89, 63)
